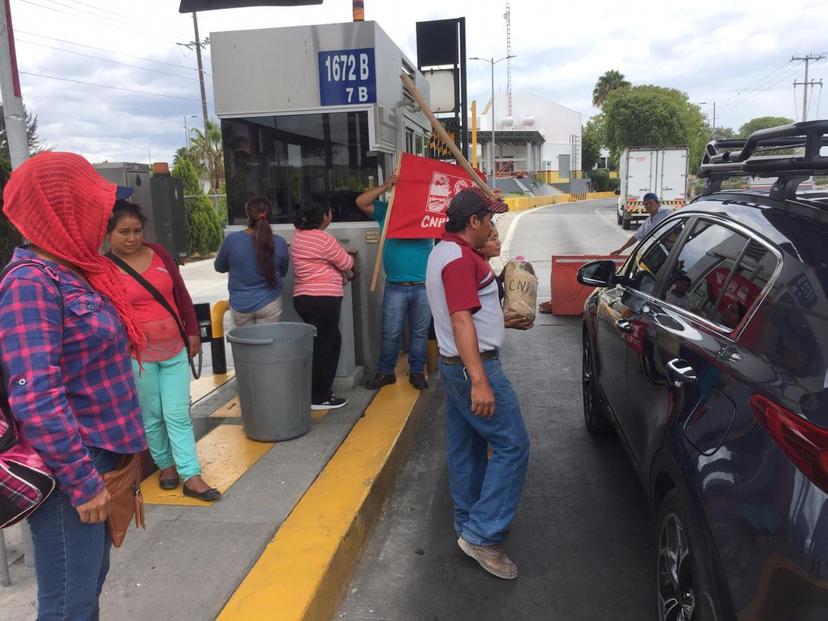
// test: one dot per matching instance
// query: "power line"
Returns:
(755, 85)
(119, 18)
(101, 49)
(109, 24)
(106, 60)
(122, 19)
(99, 8)
(115, 88)
(748, 95)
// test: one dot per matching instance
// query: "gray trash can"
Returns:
(273, 372)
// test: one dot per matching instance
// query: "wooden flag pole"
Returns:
(385, 222)
(443, 135)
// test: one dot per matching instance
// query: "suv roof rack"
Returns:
(744, 157)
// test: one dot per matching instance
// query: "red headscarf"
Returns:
(62, 205)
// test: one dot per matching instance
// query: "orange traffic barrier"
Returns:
(568, 295)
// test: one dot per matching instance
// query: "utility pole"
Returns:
(197, 45)
(805, 83)
(13, 112)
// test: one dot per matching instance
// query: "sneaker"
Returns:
(492, 558)
(418, 380)
(380, 380)
(334, 403)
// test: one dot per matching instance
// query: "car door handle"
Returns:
(623, 325)
(681, 372)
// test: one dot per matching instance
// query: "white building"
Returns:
(539, 136)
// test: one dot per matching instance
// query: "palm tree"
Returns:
(206, 148)
(610, 81)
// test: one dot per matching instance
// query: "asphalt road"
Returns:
(582, 537)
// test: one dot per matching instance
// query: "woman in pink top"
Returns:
(162, 376)
(322, 267)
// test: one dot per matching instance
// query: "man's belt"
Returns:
(406, 284)
(457, 360)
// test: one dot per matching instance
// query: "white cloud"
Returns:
(728, 52)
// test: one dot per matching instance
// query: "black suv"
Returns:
(708, 354)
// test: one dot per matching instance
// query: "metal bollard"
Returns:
(217, 347)
(211, 328)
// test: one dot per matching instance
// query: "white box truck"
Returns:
(662, 170)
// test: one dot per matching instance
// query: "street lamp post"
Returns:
(493, 62)
(187, 129)
(713, 103)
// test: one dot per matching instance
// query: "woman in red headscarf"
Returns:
(66, 332)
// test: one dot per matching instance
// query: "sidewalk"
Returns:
(193, 557)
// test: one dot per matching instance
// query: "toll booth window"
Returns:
(290, 158)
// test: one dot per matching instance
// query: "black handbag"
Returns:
(25, 480)
(156, 294)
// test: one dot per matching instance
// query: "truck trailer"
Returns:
(662, 170)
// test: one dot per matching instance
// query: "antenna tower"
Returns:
(508, 17)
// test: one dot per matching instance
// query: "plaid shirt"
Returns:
(69, 377)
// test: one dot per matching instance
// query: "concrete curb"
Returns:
(306, 568)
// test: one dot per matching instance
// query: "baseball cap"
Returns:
(650, 196)
(123, 192)
(473, 201)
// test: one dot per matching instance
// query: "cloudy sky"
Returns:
(107, 79)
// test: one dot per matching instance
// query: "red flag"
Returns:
(422, 196)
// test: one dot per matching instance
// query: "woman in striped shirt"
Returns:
(322, 268)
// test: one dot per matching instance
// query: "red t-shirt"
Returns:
(163, 336)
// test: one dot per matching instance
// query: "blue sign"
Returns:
(347, 77)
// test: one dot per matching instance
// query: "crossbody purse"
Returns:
(158, 297)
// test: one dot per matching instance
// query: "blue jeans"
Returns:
(486, 492)
(398, 304)
(71, 558)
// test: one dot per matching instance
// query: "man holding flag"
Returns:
(405, 297)
(481, 406)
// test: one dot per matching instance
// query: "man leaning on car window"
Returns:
(656, 212)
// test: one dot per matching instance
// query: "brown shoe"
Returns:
(492, 558)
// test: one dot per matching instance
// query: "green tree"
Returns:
(9, 237)
(723, 133)
(762, 122)
(207, 149)
(204, 232)
(654, 116)
(187, 153)
(592, 139)
(610, 81)
(31, 134)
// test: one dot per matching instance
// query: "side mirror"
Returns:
(618, 192)
(597, 274)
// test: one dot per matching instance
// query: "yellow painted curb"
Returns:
(304, 571)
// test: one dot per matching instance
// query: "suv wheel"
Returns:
(595, 417)
(618, 218)
(684, 588)
(626, 222)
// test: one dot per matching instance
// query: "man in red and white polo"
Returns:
(482, 409)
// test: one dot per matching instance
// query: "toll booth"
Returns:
(318, 111)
